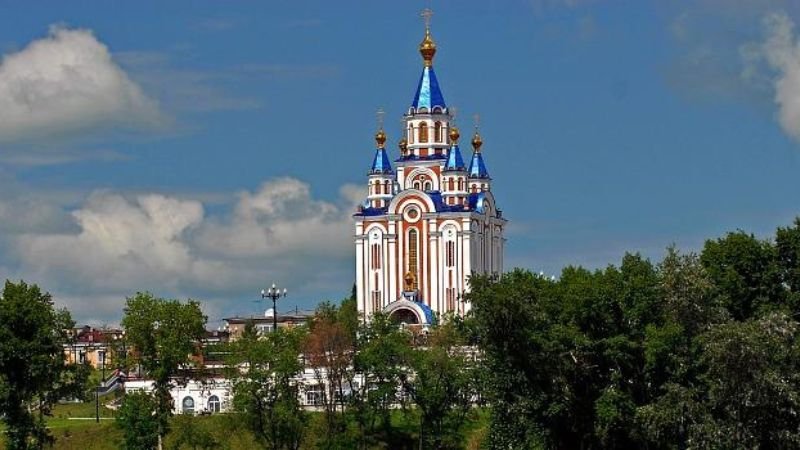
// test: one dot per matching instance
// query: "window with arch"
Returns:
(428, 186)
(214, 404)
(423, 132)
(187, 405)
(460, 184)
(386, 187)
(413, 262)
(450, 184)
(416, 184)
(437, 131)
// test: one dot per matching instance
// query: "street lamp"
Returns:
(273, 293)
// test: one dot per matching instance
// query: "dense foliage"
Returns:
(164, 335)
(33, 373)
(698, 351)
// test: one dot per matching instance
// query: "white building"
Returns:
(430, 223)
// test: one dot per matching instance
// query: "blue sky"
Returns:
(207, 149)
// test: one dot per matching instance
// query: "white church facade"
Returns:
(429, 221)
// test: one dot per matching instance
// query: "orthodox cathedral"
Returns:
(429, 221)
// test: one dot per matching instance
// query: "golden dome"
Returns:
(403, 145)
(380, 138)
(454, 134)
(477, 141)
(427, 48)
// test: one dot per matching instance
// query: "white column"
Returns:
(359, 241)
(433, 290)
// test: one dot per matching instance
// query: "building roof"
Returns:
(477, 168)
(428, 94)
(454, 159)
(381, 163)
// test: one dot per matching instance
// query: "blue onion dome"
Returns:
(477, 167)
(381, 164)
(455, 161)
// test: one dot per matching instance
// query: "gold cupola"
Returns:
(477, 141)
(380, 138)
(454, 135)
(427, 48)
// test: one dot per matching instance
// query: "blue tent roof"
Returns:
(428, 93)
(454, 159)
(477, 168)
(381, 163)
(429, 317)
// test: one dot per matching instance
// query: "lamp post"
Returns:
(273, 293)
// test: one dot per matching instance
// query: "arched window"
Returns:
(412, 256)
(386, 189)
(416, 184)
(188, 405)
(450, 184)
(437, 131)
(460, 184)
(428, 186)
(423, 132)
(213, 404)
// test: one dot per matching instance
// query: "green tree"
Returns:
(164, 335)
(439, 383)
(33, 374)
(265, 393)
(138, 421)
(745, 274)
(382, 349)
(752, 384)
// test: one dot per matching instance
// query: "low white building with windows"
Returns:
(209, 396)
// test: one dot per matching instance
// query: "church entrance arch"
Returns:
(404, 316)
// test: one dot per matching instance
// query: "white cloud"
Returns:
(66, 83)
(781, 51)
(170, 246)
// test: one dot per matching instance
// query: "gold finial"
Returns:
(403, 144)
(477, 141)
(380, 136)
(427, 48)
(454, 135)
(476, 138)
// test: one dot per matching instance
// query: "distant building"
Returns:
(235, 325)
(97, 347)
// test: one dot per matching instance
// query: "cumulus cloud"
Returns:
(171, 246)
(67, 83)
(781, 52)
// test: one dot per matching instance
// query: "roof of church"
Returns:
(381, 163)
(475, 203)
(477, 168)
(428, 93)
(454, 159)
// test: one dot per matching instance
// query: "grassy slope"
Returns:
(224, 429)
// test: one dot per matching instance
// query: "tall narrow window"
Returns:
(450, 259)
(412, 256)
(423, 132)
(437, 132)
(410, 134)
(450, 185)
(376, 256)
(386, 189)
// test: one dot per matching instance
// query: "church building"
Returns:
(430, 220)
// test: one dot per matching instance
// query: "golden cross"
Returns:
(426, 15)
